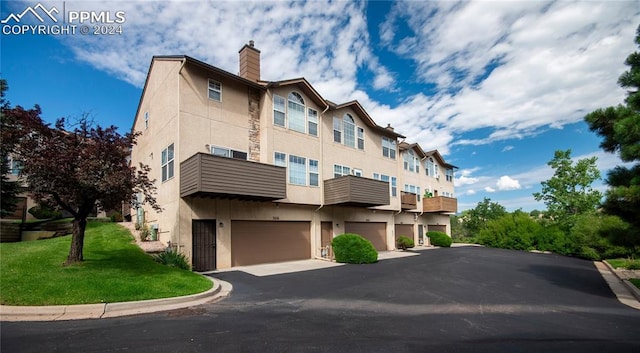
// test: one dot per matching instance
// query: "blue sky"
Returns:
(495, 86)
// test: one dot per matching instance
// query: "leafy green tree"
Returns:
(510, 231)
(9, 189)
(78, 167)
(569, 193)
(476, 218)
(620, 128)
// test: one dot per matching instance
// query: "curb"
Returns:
(220, 289)
(630, 286)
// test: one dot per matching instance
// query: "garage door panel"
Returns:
(375, 232)
(404, 229)
(257, 242)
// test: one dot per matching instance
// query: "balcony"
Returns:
(351, 190)
(408, 201)
(206, 175)
(440, 204)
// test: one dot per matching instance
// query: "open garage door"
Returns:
(375, 232)
(258, 242)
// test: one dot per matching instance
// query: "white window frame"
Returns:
(393, 188)
(312, 121)
(337, 128)
(449, 174)
(294, 99)
(341, 170)
(227, 152)
(360, 138)
(357, 172)
(167, 163)
(216, 90)
(146, 120)
(314, 171)
(280, 159)
(349, 129)
(295, 179)
(389, 146)
(279, 108)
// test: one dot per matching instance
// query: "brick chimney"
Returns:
(250, 62)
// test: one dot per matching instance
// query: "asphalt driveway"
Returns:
(447, 300)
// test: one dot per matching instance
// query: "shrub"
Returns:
(44, 212)
(353, 249)
(439, 239)
(404, 243)
(116, 216)
(145, 232)
(172, 258)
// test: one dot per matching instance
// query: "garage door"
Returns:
(258, 242)
(404, 229)
(375, 232)
(437, 228)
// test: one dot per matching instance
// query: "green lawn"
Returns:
(114, 270)
(624, 263)
(635, 281)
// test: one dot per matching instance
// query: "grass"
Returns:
(114, 270)
(624, 263)
(635, 281)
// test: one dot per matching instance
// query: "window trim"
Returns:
(230, 152)
(283, 111)
(389, 145)
(167, 163)
(312, 172)
(342, 170)
(218, 90)
(290, 169)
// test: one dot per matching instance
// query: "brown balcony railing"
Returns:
(351, 190)
(440, 204)
(213, 176)
(408, 201)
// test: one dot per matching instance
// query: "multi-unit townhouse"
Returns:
(251, 171)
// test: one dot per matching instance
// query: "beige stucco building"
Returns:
(251, 171)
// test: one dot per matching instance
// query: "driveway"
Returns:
(466, 299)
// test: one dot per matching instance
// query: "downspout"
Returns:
(184, 62)
(322, 159)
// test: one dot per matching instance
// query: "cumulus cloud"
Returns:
(512, 68)
(506, 183)
(489, 189)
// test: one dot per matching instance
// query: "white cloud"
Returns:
(506, 183)
(507, 148)
(489, 189)
(515, 68)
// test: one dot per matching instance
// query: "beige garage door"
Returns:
(258, 242)
(404, 229)
(375, 232)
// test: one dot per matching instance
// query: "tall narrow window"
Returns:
(360, 138)
(278, 110)
(146, 120)
(337, 130)
(349, 131)
(313, 121)
(394, 187)
(280, 159)
(167, 163)
(215, 90)
(297, 170)
(410, 161)
(296, 112)
(389, 148)
(313, 172)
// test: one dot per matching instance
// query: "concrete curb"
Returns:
(624, 294)
(630, 286)
(219, 290)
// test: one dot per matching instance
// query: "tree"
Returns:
(568, 193)
(9, 189)
(620, 128)
(77, 168)
(477, 218)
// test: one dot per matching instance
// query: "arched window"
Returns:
(349, 130)
(296, 109)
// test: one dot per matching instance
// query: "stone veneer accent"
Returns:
(254, 124)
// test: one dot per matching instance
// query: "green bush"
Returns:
(404, 243)
(512, 231)
(439, 239)
(44, 212)
(173, 258)
(353, 249)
